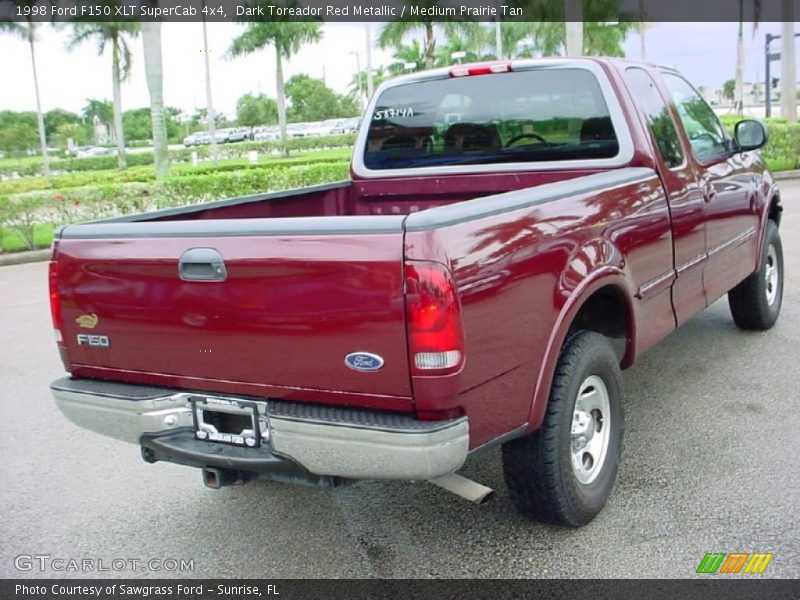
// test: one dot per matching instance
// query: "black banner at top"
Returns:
(407, 10)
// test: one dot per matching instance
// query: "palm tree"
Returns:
(573, 27)
(357, 87)
(788, 78)
(472, 38)
(103, 110)
(405, 55)
(287, 37)
(393, 33)
(154, 72)
(28, 32)
(116, 33)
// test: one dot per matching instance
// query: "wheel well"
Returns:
(606, 312)
(775, 210)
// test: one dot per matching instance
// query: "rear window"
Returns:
(524, 116)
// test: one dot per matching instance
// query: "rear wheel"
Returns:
(756, 302)
(564, 472)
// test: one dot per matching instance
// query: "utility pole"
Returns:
(211, 115)
(370, 81)
(790, 112)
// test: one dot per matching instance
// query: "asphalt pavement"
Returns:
(710, 464)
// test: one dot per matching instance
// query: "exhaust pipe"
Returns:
(466, 488)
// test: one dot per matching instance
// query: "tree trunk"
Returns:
(573, 16)
(212, 116)
(39, 114)
(738, 89)
(498, 40)
(788, 77)
(370, 79)
(151, 39)
(281, 100)
(117, 77)
(642, 26)
(430, 45)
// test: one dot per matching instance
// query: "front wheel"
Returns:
(756, 302)
(564, 472)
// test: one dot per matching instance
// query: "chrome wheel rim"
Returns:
(591, 429)
(771, 275)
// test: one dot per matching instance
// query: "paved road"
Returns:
(710, 464)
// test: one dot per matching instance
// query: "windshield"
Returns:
(524, 116)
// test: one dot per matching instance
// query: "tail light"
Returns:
(55, 304)
(435, 333)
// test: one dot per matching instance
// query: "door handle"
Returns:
(202, 264)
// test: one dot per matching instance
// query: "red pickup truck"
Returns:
(513, 235)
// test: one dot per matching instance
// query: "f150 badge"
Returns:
(95, 341)
(363, 361)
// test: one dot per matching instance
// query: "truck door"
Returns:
(728, 187)
(686, 204)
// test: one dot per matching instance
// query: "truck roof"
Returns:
(521, 64)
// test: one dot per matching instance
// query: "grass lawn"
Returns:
(12, 240)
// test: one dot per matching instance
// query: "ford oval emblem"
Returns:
(363, 361)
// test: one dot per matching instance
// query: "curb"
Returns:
(20, 258)
(784, 175)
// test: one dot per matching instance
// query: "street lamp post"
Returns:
(769, 57)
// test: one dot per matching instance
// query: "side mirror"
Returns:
(750, 135)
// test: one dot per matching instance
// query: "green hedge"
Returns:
(782, 151)
(24, 211)
(237, 150)
(146, 174)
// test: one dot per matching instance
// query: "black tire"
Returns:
(538, 468)
(756, 302)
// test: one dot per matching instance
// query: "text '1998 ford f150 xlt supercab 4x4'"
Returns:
(513, 235)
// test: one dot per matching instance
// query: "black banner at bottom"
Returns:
(711, 588)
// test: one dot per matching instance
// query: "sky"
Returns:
(704, 52)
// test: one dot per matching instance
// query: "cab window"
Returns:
(658, 117)
(526, 116)
(706, 134)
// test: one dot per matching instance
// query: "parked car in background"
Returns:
(346, 126)
(194, 139)
(266, 133)
(296, 130)
(237, 134)
(93, 151)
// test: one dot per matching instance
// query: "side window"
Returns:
(658, 117)
(705, 132)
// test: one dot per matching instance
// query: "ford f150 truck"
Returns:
(513, 235)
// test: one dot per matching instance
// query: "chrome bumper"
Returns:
(325, 441)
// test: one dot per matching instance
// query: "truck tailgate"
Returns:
(291, 306)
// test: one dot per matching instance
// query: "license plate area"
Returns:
(226, 421)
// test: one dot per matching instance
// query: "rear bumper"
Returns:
(320, 440)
